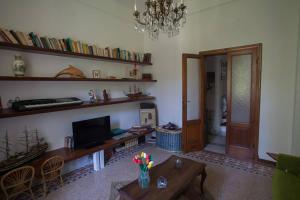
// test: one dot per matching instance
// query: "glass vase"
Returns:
(144, 179)
(18, 66)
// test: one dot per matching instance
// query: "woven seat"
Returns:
(51, 170)
(17, 181)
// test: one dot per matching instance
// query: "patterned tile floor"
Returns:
(201, 156)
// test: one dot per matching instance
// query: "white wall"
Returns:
(233, 23)
(296, 130)
(211, 25)
(94, 21)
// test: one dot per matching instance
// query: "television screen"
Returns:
(92, 132)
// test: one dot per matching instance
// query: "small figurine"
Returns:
(105, 95)
(93, 97)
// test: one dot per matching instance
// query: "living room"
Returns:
(114, 66)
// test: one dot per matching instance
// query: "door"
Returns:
(243, 86)
(193, 102)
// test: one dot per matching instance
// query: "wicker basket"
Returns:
(168, 140)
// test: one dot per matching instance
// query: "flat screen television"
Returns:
(91, 132)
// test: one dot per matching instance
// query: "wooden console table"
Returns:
(73, 154)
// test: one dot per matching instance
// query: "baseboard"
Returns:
(268, 162)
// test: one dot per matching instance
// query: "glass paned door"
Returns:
(192, 101)
(241, 88)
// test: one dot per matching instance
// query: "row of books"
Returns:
(70, 45)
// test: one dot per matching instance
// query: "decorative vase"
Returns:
(144, 179)
(19, 66)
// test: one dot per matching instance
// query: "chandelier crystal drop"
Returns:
(166, 16)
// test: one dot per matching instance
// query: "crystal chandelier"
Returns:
(166, 16)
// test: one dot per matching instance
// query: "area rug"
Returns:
(228, 178)
(115, 186)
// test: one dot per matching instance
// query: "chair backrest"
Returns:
(21, 176)
(51, 165)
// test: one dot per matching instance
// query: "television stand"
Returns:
(97, 151)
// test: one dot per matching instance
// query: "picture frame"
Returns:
(148, 117)
(96, 73)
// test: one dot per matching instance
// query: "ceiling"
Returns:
(193, 5)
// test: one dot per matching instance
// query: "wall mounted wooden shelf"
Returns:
(31, 49)
(7, 113)
(12, 78)
(73, 154)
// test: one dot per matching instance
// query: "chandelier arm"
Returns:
(140, 22)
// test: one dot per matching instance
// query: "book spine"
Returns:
(4, 36)
(29, 41)
(38, 38)
(91, 52)
(43, 39)
(10, 36)
(15, 36)
(19, 34)
(48, 43)
(33, 39)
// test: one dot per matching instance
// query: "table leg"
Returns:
(203, 177)
(98, 160)
(101, 156)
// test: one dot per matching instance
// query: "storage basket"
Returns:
(168, 139)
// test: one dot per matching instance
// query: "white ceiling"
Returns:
(192, 5)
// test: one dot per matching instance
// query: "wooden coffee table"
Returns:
(178, 180)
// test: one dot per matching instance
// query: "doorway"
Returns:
(221, 105)
(216, 103)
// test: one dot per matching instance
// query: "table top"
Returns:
(178, 180)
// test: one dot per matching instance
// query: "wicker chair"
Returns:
(51, 170)
(18, 181)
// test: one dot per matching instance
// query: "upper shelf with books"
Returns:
(31, 49)
(68, 47)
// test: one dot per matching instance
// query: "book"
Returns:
(10, 36)
(73, 46)
(4, 37)
(28, 39)
(43, 39)
(48, 43)
(21, 38)
(25, 38)
(79, 47)
(33, 39)
(69, 44)
(65, 44)
(91, 52)
(62, 44)
(51, 43)
(114, 52)
(15, 36)
(38, 38)
(84, 48)
(57, 45)
(107, 52)
(94, 50)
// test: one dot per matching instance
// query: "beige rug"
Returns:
(227, 179)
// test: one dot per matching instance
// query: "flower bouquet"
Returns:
(145, 163)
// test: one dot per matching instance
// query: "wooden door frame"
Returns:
(256, 112)
(185, 56)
